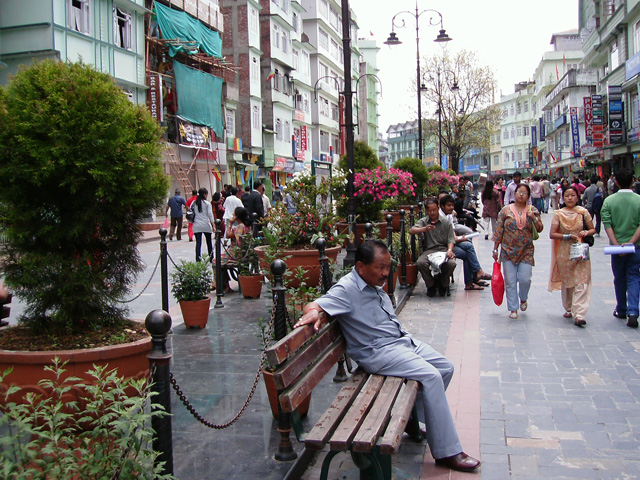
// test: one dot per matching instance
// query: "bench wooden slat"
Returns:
(319, 435)
(350, 424)
(302, 387)
(295, 366)
(6, 311)
(399, 418)
(376, 420)
(287, 347)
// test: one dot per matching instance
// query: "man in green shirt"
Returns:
(438, 238)
(621, 218)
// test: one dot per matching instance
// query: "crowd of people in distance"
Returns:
(511, 212)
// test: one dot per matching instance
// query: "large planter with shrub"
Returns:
(251, 285)
(307, 259)
(191, 284)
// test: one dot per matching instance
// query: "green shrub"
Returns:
(192, 280)
(52, 438)
(80, 168)
(420, 177)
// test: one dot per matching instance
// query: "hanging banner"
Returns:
(575, 131)
(303, 138)
(616, 115)
(588, 119)
(542, 133)
(193, 136)
(154, 97)
(534, 136)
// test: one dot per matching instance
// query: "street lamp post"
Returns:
(454, 88)
(393, 40)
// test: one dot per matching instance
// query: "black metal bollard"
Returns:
(164, 272)
(390, 283)
(414, 246)
(327, 280)
(285, 451)
(403, 251)
(218, 272)
(254, 224)
(158, 324)
(368, 231)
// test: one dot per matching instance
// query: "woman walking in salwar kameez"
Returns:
(573, 277)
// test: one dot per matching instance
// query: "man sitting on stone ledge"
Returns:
(376, 340)
(437, 262)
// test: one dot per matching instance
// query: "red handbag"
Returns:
(497, 284)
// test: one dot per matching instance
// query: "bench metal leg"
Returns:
(324, 473)
(341, 373)
(371, 466)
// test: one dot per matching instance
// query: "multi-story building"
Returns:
(610, 30)
(402, 141)
(106, 34)
(367, 87)
(517, 118)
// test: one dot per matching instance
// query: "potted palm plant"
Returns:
(191, 284)
(81, 168)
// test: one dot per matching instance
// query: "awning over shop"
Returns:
(180, 25)
(199, 97)
(280, 164)
(247, 166)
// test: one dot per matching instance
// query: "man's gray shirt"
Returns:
(369, 324)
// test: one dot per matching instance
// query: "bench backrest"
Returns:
(302, 359)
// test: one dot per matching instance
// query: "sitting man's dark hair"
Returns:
(624, 177)
(446, 199)
(366, 252)
(430, 201)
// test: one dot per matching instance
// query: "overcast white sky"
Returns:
(510, 36)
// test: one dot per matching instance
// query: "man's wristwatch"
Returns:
(495, 251)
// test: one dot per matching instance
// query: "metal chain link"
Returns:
(147, 285)
(199, 417)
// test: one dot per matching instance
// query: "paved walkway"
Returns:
(534, 397)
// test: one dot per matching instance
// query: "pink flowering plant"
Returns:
(372, 187)
(440, 181)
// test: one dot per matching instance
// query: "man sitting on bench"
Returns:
(376, 340)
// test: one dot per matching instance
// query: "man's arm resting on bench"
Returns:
(312, 313)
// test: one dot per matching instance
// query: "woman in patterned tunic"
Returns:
(570, 224)
(514, 234)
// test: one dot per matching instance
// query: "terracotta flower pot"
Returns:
(130, 359)
(343, 228)
(272, 394)
(307, 259)
(251, 285)
(195, 313)
(395, 223)
(412, 274)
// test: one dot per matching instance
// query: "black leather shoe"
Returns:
(461, 462)
(632, 321)
(618, 315)
(442, 291)
(431, 291)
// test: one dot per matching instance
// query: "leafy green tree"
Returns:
(469, 114)
(80, 167)
(418, 170)
(364, 157)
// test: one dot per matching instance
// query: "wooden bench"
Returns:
(5, 300)
(368, 416)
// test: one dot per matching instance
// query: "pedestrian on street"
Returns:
(593, 199)
(203, 223)
(194, 195)
(553, 193)
(378, 342)
(254, 203)
(514, 236)
(564, 183)
(573, 278)
(546, 192)
(232, 202)
(509, 194)
(537, 193)
(621, 218)
(174, 209)
(491, 206)
(217, 206)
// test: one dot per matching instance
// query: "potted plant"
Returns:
(81, 168)
(291, 236)
(191, 284)
(248, 266)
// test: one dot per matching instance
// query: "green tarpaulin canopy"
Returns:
(180, 25)
(199, 97)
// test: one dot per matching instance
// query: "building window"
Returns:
(255, 69)
(505, 134)
(305, 102)
(278, 129)
(334, 50)
(294, 21)
(323, 9)
(287, 131)
(255, 117)
(506, 156)
(519, 158)
(294, 60)
(518, 108)
(335, 112)
(275, 36)
(285, 6)
(122, 28)
(525, 106)
(230, 119)
(519, 131)
(324, 141)
(335, 142)
(324, 107)
(615, 57)
(254, 21)
(636, 37)
(525, 131)
(306, 65)
(511, 110)
(285, 42)
(323, 39)
(333, 19)
(79, 15)
(513, 132)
